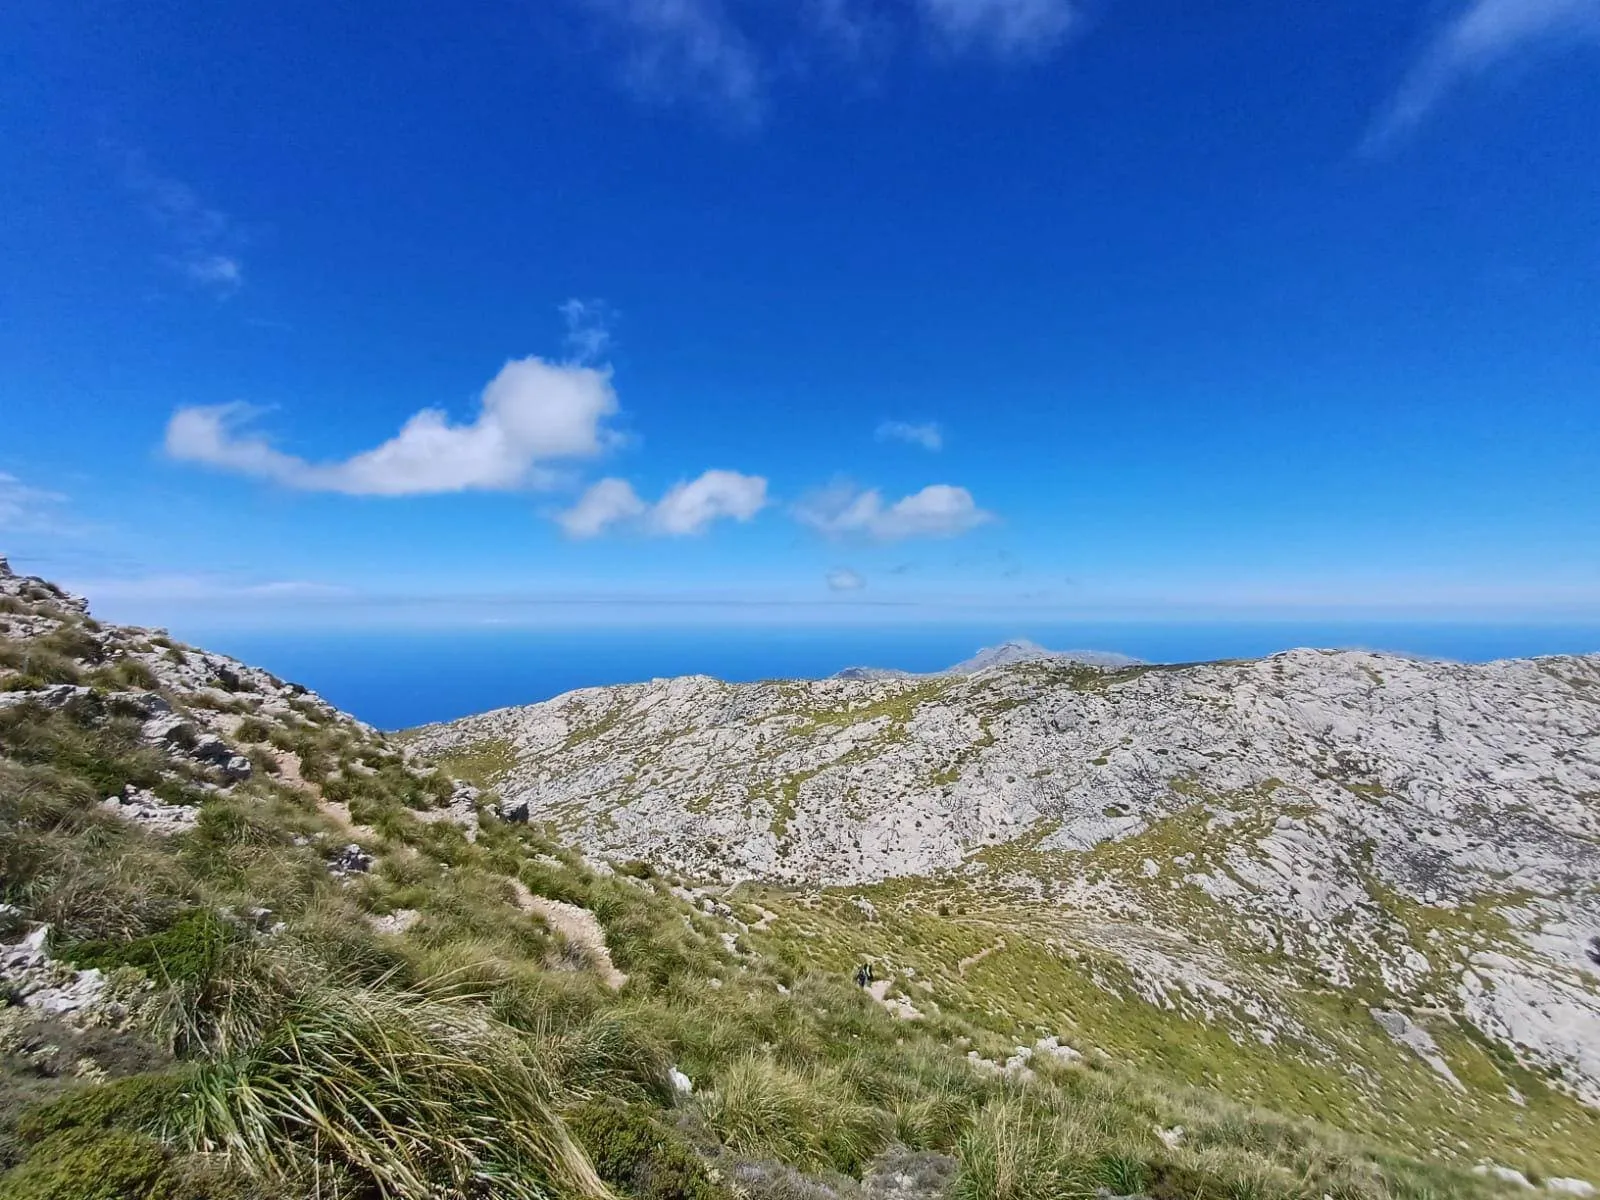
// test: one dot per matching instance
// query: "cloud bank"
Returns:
(689, 507)
(1483, 34)
(531, 414)
(939, 510)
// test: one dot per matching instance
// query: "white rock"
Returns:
(1567, 1186)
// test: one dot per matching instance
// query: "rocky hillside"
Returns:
(251, 947)
(1423, 837)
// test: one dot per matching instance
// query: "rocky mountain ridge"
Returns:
(1414, 832)
(1016, 650)
(1142, 897)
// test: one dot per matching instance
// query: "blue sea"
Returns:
(399, 679)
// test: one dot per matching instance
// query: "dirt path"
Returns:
(898, 1006)
(578, 925)
(973, 960)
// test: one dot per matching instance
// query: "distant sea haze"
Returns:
(399, 679)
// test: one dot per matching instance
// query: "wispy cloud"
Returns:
(728, 55)
(589, 324)
(179, 589)
(939, 510)
(1022, 28)
(1482, 34)
(25, 509)
(532, 414)
(678, 49)
(926, 434)
(689, 507)
(843, 579)
(204, 240)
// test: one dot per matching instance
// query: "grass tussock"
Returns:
(415, 1095)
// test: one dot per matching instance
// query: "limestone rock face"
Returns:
(1430, 828)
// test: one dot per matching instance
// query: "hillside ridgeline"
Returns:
(255, 948)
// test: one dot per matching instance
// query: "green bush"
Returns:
(188, 951)
(138, 1103)
(635, 1151)
(82, 1164)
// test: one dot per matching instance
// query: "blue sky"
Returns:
(620, 311)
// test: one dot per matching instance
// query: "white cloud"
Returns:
(689, 507)
(843, 579)
(204, 237)
(1481, 35)
(926, 434)
(1006, 27)
(531, 413)
(939, 510)
(607, 503)
(28, 509)
(588, 329)
(687, 48)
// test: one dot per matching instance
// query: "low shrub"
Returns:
(138, 1103)
(190, 950)
(632, 1149)
(81, 1164)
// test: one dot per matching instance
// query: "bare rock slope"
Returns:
(1414, 832)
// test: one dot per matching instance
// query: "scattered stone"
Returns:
(1567, 1186)
(396, 922)
(1055, 1048)
(213, 751)
(1418, 1040)
(37, 981)
(1503, 1174)
(56, 695)
(903, 1174)
(147, 810)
